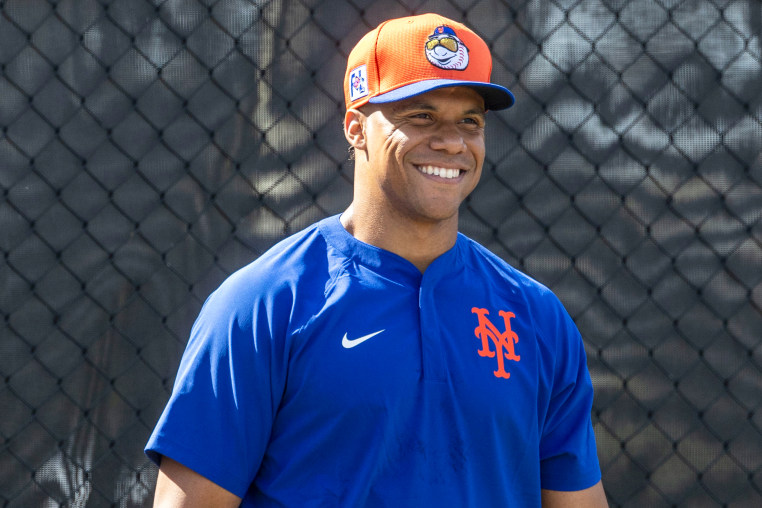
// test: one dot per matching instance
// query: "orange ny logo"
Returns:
(503, 342)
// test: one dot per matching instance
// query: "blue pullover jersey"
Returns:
(330, 372)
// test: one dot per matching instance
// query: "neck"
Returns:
(420, 242)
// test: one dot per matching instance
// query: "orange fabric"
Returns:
(395, 55)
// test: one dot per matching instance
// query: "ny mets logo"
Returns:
(503, 342)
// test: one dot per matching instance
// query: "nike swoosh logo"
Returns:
(352, 343)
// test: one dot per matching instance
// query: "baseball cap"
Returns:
(409, 56)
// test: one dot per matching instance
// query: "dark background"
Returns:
(150, 148)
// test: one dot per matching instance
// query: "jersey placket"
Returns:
(433, 310)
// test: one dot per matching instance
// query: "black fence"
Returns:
(150, 148)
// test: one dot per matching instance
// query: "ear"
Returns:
(354, 128)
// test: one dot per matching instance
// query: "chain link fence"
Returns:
(150, 148)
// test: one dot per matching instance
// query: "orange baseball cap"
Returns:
(409, 56)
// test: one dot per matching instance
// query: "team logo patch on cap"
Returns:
(445, 50)
(358, 83)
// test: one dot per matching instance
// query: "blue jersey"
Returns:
(330, 372)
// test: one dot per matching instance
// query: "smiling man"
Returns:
(379, 357)
(416, 160)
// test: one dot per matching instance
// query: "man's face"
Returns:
(425, 154)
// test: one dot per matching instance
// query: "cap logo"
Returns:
(445, 50)
(358, 83)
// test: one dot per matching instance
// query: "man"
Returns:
(380, 358)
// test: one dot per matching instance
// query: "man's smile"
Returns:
(447, 173)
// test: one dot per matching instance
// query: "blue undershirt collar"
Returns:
(382, 261)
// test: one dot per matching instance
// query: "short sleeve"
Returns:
(218, 418)
(568, 452)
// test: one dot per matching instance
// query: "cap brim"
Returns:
(495, 96)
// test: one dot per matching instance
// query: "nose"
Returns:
(449, 139)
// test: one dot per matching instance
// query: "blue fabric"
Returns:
(270, 405)
(495, 96)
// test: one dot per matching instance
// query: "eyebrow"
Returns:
(425, 106)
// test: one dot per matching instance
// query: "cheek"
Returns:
(479, 149)
(395, 144)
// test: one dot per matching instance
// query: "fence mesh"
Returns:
(150, 148)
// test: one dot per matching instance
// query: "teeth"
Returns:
(440, 172)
